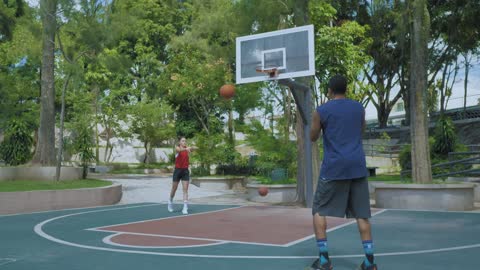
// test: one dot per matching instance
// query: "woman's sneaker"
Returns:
(185, 210)
(170, 207)
(370, 267)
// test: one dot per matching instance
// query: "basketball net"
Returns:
(270, 72)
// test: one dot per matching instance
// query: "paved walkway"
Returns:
(156, 188)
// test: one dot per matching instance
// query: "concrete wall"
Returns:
(473, 180)
(445, 197)
(39, 173)
(384, 164)
(45, 200)
(218, 183)
(276, 193)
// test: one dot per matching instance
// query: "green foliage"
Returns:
(445, 137)
(16, 147)
(340, 49)
(79, 139)
(28, 185)
(82, 141)
(210, 151)
(151, 122)
(405, 158)
(190, 82)
(10, 11)
(268, 181)
(19, 70)
(272, 152)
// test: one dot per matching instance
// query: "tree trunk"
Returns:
(45, 150)
(231, 138)
(60, 139)
(465, 82)
(421, 165)
(382, 116)
(147, 153)
(301, 183)
(96, 90)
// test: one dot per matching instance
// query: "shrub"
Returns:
(445, 137)
(405, 157)
(16, 147)
(273, 152)
(200, 171)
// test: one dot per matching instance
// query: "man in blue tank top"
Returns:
(342, 189)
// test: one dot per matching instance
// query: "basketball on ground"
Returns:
(263, 191)
(227, 91)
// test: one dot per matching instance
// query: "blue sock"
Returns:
(368, 248)
(323, 248)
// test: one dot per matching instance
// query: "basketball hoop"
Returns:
(270, 72)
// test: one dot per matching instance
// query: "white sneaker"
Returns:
(170, 207)
(185, 210)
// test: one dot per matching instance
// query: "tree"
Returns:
(386, 53)
(45, 148)
(151, 121)
(421, 164)
(10, 11)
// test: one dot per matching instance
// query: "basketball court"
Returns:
(147, 236)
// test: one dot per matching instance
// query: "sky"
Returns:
(456, 100)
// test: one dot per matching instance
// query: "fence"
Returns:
(468, 162)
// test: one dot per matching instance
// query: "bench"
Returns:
(372, 171)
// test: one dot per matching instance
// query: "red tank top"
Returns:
(181, 160)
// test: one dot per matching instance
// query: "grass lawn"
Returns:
(28, 185)
(388, 178)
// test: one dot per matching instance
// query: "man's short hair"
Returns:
(338, 84)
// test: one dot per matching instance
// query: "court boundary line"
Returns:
(164, 218)
(98, 229)
(79, 208)
(107, 240)
(334, 228)
(38, 229)
(195, 238)
(5, 261)
(435, 211)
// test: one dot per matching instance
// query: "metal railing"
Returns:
(465, 161)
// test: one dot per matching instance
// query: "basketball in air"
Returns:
(263, 191)
(227, 91)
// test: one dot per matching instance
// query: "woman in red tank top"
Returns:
(181, 172)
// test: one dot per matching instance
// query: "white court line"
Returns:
(99, 229)
(4, 261)
(80, 208)
(108, 240)
(39, 230)
(331, 229)
(164, 218)
(435, 211)
(195, 238)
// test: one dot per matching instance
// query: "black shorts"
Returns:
(342, 198)
(181, 174)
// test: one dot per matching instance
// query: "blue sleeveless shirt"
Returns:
(343, 155)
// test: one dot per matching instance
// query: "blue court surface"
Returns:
(147, 236)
